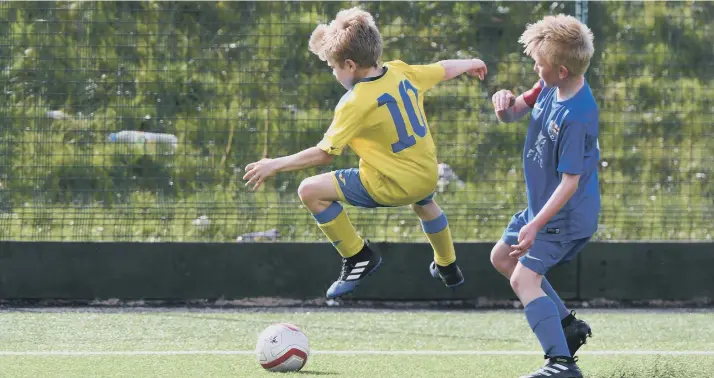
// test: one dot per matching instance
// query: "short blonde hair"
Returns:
(560, 40)
(351, 35)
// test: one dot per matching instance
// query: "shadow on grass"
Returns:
(317, 372)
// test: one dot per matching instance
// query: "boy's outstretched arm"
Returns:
(510, 108)
(456, 67)
(256, 173)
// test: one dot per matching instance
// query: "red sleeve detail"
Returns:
(532, 95)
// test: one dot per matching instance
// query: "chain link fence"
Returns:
(132, 121)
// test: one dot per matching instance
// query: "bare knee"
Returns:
(307, 191)
(501, 260)
(519, 282)
(515, 282)
(427, 211)
(502, 265)
(526, 284)
(416, 209)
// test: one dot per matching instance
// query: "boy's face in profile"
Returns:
(551, 75)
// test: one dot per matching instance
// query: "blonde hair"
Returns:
(560, 40)
(351, 35)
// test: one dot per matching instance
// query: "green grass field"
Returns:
(344, 342)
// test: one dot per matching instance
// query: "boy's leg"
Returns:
(501, 260)
(576, 330)
(320, 195)
(541, 312)
(436, 228)
(563, 311)
(505, 264)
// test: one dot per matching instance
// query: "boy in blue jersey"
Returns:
(382, 119)
(560, 160)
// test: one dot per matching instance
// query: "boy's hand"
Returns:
(502, 100)
(256, 173)
(525, 240)
(479, 69)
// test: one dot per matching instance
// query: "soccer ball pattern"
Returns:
(282, 347)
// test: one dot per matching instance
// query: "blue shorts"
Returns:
(356, 194)
(543, 254)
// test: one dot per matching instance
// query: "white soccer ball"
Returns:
(282, 347)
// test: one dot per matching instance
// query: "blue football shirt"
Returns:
(563, 138)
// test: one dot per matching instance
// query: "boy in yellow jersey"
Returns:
(381, 119)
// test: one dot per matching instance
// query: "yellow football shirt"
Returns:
(382, 120)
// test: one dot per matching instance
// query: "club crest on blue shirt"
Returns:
(553, 130)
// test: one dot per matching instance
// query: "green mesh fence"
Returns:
(228, 82)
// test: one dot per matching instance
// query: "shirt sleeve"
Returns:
(424, 77)
(571, 148)
(346, 123)
(531, 95)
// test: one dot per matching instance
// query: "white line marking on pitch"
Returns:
(358, 352)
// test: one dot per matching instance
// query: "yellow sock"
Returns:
(439, 235)
(334, 222)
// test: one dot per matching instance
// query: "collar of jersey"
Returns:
(373, 78)
(580, 91)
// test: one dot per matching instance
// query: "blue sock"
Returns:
(543, 318)
(550, 292)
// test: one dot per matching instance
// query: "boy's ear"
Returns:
(350, 65)
(563, 72)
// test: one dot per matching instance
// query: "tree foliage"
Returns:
(235, 81)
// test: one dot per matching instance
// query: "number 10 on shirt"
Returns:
(417, 122)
